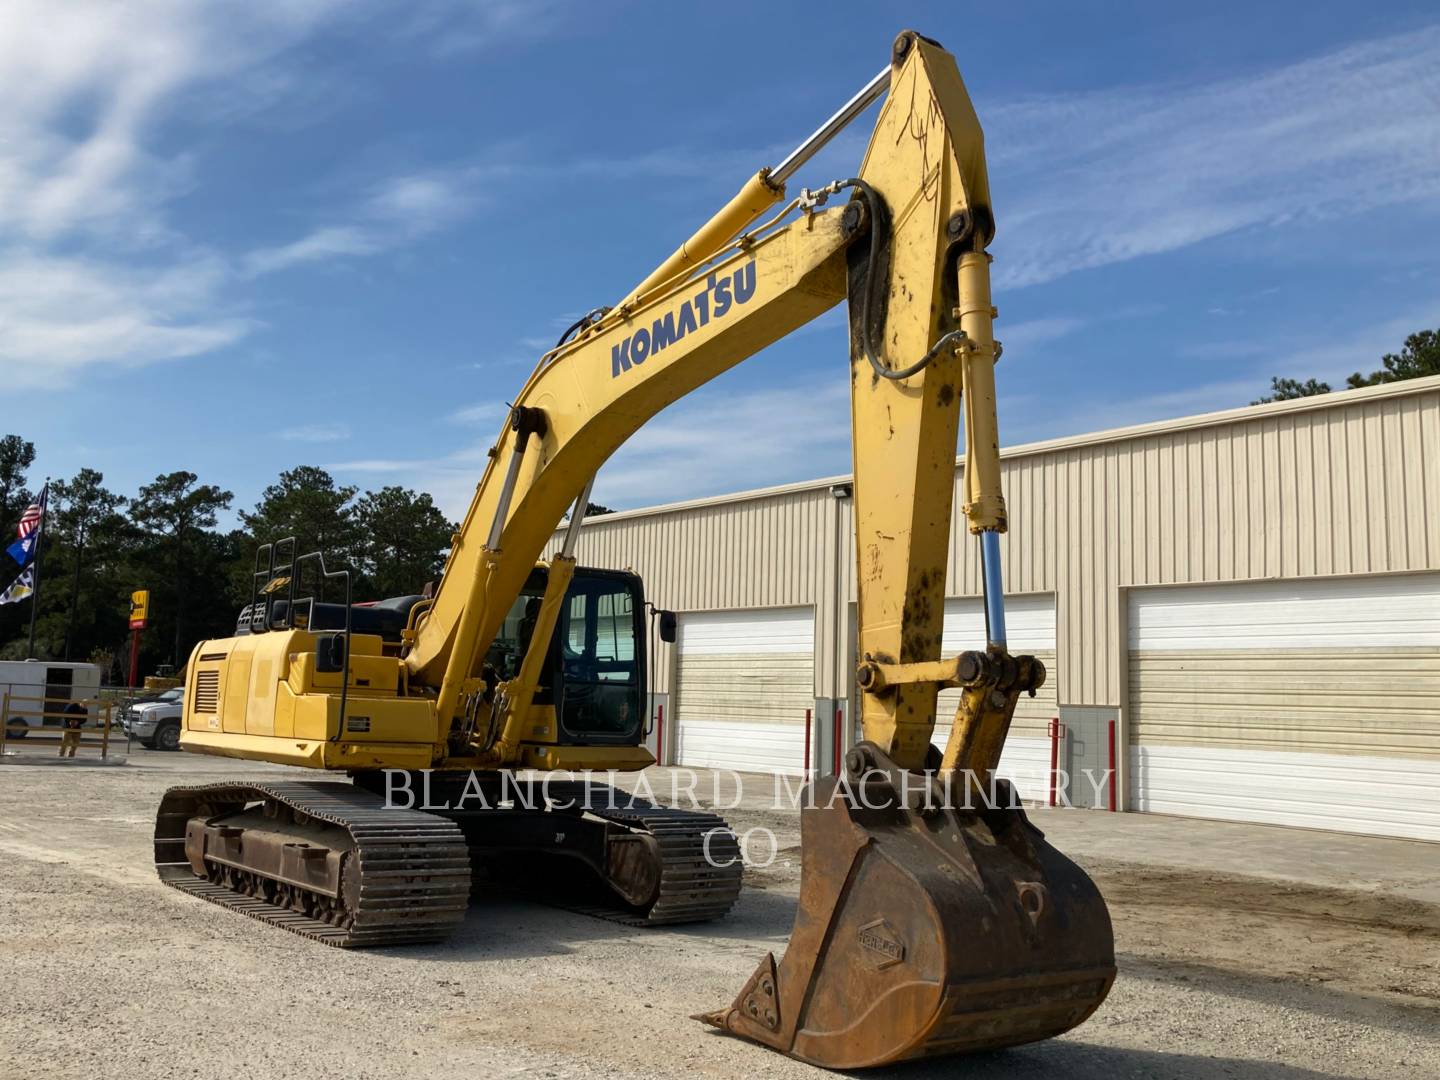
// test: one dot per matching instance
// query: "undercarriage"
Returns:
(333, 862)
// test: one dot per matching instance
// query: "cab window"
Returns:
(598, 653)
(513, 638)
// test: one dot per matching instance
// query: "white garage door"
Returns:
(1030, 626)
(743, 682)
(1312, 703)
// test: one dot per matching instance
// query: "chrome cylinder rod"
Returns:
(994, 587)
(577, 517)
(502, 508)
(832, 127)
(524, 422)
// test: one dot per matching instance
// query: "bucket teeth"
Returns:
(921, 934)
(758, 1003)
(756, 1007)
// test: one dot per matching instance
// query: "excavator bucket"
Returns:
(924, 930)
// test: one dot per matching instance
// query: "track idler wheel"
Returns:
(925, 928)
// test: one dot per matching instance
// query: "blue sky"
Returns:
(240, 236)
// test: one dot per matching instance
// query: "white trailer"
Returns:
(35, 692)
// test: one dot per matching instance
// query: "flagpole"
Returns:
(39, 554)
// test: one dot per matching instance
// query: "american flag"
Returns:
(30, 520)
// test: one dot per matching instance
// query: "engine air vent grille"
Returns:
(207, 691)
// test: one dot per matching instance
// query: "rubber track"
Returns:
(694, 886)
(414, 867)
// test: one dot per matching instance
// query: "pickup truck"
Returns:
(155, 724)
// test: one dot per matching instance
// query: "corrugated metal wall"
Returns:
(1344, 484)
(756, 553)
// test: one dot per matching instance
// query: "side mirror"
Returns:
(667, 626)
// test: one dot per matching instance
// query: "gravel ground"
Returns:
(108, 973)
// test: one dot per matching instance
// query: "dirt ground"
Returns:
(105, 972)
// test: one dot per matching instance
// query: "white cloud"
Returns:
(85, 85)
(379, 465)
(316, 433)
(486, 412)
(398, 210)
(318, 246)
(1033, 332)
(1096, 178)
(91, 271)
(98, 273)
(455, 26)
(450, 479)
(729, 441)
(1023, 422)
(422, 200)
(54, 176)
(59, 316)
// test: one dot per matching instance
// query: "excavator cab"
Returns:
(593, 672)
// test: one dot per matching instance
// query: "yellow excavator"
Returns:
(933, 917)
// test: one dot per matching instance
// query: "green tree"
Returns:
(1286, 389)
(403, 540)
(16, 457)
(1419, 357)
(95, 617)
(82, 506)
(176, 511)
(307, 504)
(216, 556)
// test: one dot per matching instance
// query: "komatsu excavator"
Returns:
(928, 923)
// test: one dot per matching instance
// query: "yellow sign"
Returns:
(139, 608)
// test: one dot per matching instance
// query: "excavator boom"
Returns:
(593, 395)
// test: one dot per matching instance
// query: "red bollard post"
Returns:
(1055, 730)
(839, 726)
(1111, 777)
(807, 743)
(134, 658)
(659, 734)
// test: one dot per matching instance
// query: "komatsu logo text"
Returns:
(712, 302)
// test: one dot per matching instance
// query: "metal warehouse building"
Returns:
(1249, 601)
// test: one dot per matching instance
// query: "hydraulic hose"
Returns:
(879, 220)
